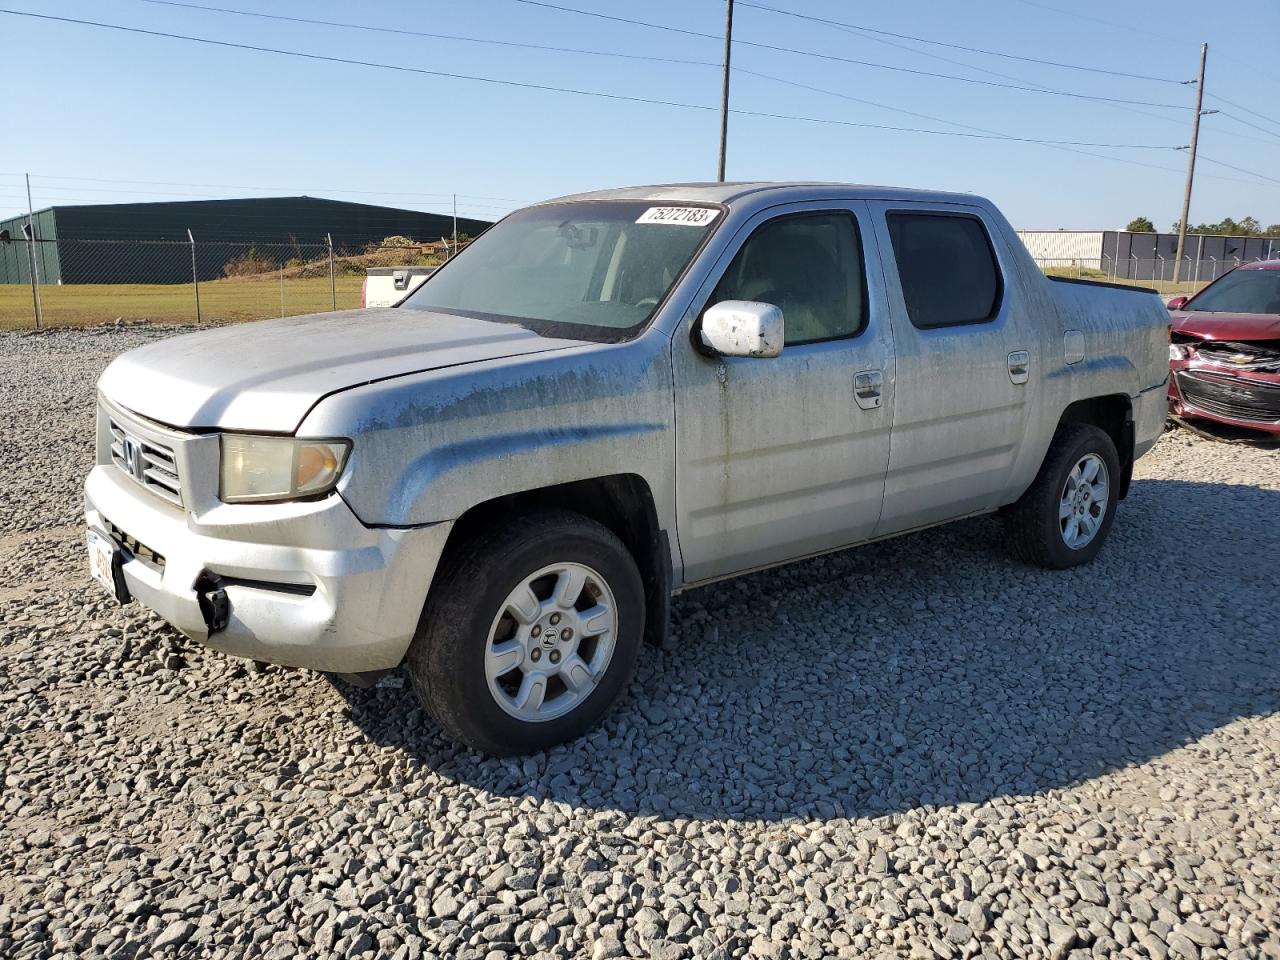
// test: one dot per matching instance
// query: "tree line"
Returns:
(1248, 227)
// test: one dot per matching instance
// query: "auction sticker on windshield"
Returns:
(685, 216)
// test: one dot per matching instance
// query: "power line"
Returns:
(547, 88)
(1093, 19)
(952, 46)
(635, 23)
(861, 63)
(431, 36)
(956, 123)
(1240, 106)
(860, 29)
(997, 73)
(676, 60)
(861, 32)
(606, 53)
(1247, 123)
(1252, 173)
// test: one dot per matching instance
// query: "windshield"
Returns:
(592, 270)
(1241, 291)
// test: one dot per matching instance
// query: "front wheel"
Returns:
(1065, 516)
(529, 639)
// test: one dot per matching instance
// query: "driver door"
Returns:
(783, 457)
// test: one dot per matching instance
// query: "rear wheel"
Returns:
(1065, 517)
(529, 639)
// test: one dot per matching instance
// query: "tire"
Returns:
(471, 630)
(1036, 529)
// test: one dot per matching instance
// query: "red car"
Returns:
(1224, 351)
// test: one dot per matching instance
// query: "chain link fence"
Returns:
(88, 282)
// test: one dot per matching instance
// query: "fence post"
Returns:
(282, 289)
(29, 233)
(333, 286)
(195, 276)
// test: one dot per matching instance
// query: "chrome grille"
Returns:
(149, 463)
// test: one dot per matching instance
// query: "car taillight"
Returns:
(364, 293)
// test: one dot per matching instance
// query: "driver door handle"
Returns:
(866, 388)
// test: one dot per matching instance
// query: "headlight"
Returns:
(1178, 352)
(256, 469)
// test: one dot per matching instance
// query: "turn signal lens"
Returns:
(262, 469)
(1178, 352)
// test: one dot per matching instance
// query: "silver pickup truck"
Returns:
(604, 400)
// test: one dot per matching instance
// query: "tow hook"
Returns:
(214, 605)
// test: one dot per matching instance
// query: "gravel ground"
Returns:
(921, 749)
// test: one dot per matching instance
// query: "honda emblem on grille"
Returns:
(134, 463)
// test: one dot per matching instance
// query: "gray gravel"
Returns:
(920, 749)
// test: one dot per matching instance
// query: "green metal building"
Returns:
(148, 242)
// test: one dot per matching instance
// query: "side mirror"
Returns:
(1177, 303)
(742, 328)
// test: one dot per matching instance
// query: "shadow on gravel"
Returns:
(1226, 433)
(925, 670)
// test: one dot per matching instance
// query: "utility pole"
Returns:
(724, 90)
(31, 246)
(1191, 166)
(455, 224)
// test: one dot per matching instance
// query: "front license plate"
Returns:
(104, 564)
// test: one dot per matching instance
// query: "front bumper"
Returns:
(1214, 392)
(308, 585)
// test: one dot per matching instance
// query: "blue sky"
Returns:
(120, 108)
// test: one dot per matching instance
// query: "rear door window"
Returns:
(947, 268)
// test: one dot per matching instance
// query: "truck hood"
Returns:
(266, 376)
(1227, 326)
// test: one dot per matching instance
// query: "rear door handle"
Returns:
(866, 388)
(1019, 362)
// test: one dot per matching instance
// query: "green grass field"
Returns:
(241, 298)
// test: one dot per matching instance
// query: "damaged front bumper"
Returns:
(304, 584)
(1240, 388)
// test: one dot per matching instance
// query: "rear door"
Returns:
(965, 363)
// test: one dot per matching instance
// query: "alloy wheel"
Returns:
(1084, 501)
(551, 642)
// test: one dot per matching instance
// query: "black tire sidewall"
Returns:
(458, 631)
(1088, 440)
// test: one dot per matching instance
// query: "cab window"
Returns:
(810, 266)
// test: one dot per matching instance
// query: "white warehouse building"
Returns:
(1082, 246)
